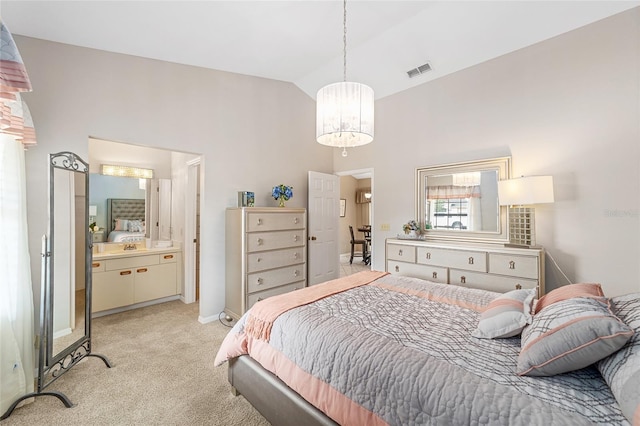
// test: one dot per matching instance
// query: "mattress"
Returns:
(400, 351)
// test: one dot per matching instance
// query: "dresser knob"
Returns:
(463, 279)
(295, 220)
(259, 281)
(295, 255)
(518, 287)
(259, 221)
(471, 260)
(259, 241)
(259, 299)
(435, 275)
(400, 252)
(428, 255)
(397, 268)
(295, 238)
(296, 273)
(512, 264)
(259, 259)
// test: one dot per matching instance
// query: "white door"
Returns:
(323, 213)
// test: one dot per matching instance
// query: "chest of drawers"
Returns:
(265, 255)
(494, 268)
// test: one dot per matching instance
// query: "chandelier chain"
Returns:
(344, 39)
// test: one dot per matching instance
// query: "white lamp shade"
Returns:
(93, 210)
(526, 191)
(345, 115)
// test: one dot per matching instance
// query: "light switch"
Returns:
(385, 227)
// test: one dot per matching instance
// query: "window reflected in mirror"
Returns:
(459, 201)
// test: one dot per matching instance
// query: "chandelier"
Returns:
(344, 114)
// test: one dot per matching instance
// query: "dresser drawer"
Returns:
(169, 258)
(97, 266)
(520, 266)
(261, 241)
(256, 297)
(274, 259)
(258, 222)
(401, 252)
(259, 281)
(131, 262)
(497, 283)
(463, 259)
(426, 272)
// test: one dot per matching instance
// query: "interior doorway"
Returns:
(357, 191)
(192, 231)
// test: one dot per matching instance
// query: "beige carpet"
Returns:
(162, 374)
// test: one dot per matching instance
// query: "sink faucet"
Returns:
(130, 246)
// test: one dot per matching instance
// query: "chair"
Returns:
(355, 242)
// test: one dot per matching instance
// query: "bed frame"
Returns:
(124, 208)
(278, 403)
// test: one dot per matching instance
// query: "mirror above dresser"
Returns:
(459, 201)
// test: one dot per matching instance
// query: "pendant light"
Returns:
(344, 115)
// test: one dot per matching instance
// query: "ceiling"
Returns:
(301, 41)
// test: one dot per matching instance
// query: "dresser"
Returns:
(489, 267)
(265, 255)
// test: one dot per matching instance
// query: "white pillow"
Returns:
(506, 315)
(121, 225)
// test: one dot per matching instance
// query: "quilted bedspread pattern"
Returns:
(399, 351)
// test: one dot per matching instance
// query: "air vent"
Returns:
(419, 70)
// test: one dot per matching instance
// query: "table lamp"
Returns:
(520, 194)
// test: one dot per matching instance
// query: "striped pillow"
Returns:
(621, 370)
(570, 335)
(568, 292)
(506, 315)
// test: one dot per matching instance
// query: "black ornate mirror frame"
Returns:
(51, 366)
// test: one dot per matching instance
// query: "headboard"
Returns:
(122, 208)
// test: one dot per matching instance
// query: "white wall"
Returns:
(253, 133)
(567, 107)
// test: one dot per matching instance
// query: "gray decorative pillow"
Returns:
(506, 315)
(621, 370)
(569, 335)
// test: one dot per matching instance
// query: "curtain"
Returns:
(16, 297)
(452, 191)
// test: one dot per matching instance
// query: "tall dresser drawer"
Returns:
(507, 264)
(259, 281)
(260, 241)
(260, 261)
(256, 297)
(401, 252)
(490, 282)
(426, 272)
(258, 222)
(469, 260)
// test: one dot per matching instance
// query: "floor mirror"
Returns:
(65, 302)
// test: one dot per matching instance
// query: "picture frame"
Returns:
(343, 207)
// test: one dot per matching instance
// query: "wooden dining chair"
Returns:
(354, 242)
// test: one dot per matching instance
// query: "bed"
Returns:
(375, 348)
(125, 220)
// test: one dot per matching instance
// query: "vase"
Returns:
(281, 202)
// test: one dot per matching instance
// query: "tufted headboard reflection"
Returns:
(122, 208)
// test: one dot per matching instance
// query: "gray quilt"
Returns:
(402, 349)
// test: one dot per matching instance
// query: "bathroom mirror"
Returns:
(459, 201)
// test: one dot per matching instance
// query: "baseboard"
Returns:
(206, 320)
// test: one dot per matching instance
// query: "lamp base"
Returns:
(522, 226)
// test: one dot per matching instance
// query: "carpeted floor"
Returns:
(162, 374)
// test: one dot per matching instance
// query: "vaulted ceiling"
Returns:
(302, 41)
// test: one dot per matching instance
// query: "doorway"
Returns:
(356, 189)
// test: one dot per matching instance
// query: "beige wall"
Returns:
(253, 133)
(567, 107)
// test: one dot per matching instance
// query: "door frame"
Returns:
(367, 170)
(193, 175)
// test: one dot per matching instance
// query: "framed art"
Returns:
(343, 207)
